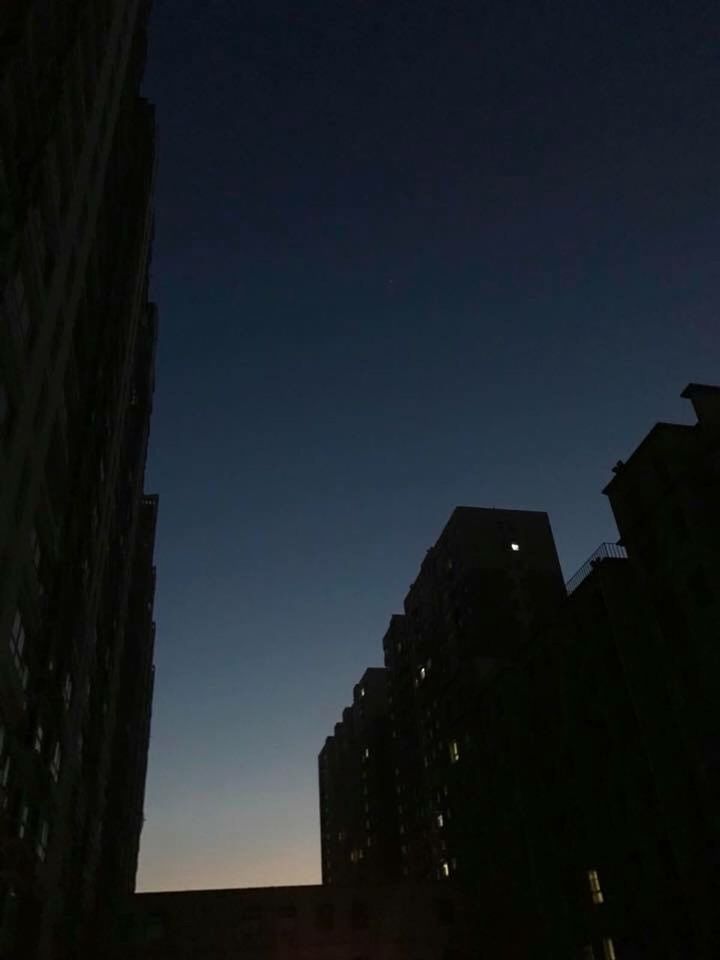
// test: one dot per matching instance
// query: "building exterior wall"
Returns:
(358, 814)
(77, 339)
(555, 749)
(379, 922)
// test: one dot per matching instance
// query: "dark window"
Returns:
(359, 916)
(325, 916)
(6, 412)
(700, 588)
(444, 911)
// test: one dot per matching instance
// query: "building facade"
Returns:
(491, 580)
(378, 922)
(358, 814)
(77, 349)
(555, 747)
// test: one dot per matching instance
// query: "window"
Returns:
(42, 840)
(5, 776)
(56, 762)
(609, 949)
(440, 820)
(454, 751)
(17, 646)
(67, 691)
(359, 915)
(423, 673)
(6, 412)
(595, 888)
(444, 911)
(700, 588)
(362, 691)
(445, 868)
(366, 753)
(23, 820)
(325, 916)
(515, 547)
(39, 736)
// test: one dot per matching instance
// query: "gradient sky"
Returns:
(409, 255)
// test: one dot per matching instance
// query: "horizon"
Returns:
(405, 259)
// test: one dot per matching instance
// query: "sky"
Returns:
(409, 255)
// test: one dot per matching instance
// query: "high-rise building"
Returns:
(491, 581)
(77, 341)
(358, 818)
(555, 748)
(666, 501)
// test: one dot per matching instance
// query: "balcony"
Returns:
(606, 551)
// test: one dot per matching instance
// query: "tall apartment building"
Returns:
(556, 747)
(666, 501)
(491, 580)
(358, 821)
(77, 343)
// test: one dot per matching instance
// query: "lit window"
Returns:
(423, 673)
(515, 547)
(445, 868)
(595, 888)
(454, 751)
(39, 735)
(362, 691)
(609, 949)
(440, 820)
(366, 754)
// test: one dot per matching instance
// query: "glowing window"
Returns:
(423, 673)
(454, 751)
(609, 949)
(515, 547)
(366, 754)
(595, 888)
(362, 691)
(440, 820)
(445, 868)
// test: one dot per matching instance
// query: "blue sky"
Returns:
(408, 256)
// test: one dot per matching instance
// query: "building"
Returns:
(77, 343)
(666, 501)
(379, 922)
(556, 746)
(492, 579)
(357, 803)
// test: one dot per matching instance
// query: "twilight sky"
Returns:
(409, 254)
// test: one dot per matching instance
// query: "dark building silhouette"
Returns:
(77, 344)
(492, 578)
(379, 922)
(556, 747)
(357, 803)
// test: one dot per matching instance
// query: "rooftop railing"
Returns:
(606, 551)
